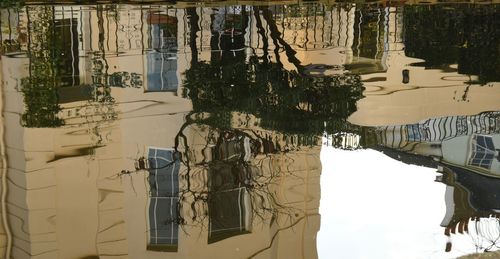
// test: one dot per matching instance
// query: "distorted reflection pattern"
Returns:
(195, 130)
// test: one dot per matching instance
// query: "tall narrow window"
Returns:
(229, 205)
(66, 50)
(229, 213)
(483, 151)
(162, 59)
(164, 199)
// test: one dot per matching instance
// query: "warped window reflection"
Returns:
(163, 205)
(483, 151)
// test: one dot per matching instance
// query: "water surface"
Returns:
(217, 130)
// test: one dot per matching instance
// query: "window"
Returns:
(162, 60)
(162, 72)
(483, 151)
(229, 205)
(229, 213)
(66, 48)
(163, 206)
(414, 132)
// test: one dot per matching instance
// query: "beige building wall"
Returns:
(73, 204)
(316, 39)
(60, 202)
(320, 39)
(4, 230)
(298, 188)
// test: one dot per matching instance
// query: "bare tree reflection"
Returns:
(228, 167)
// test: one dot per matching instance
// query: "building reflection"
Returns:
(121, 143)
(464, 141)
(463, 150)
(71, 193)
(472, 206)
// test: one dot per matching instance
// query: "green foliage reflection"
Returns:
(286, 101)
(40, 87)
(456, 34)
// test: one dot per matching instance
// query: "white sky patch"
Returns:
(373, 206)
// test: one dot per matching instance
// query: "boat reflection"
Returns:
(464, 151)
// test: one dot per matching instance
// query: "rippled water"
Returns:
(190, 130)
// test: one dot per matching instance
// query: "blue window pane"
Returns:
(162, 62)
(480, 149)
(480, 141)
(483, 151)
(163, 221)
(163, 173)
(489, 156)
(162, 72)
(164, 153)
(164, 188)
(489, 143)
(414, 133)
(476, 161)
(477, 155)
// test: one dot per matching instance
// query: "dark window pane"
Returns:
(476, 162)
(163, 207)
(163, 221)
(489, 156)
(227, 214)
(489, 143)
